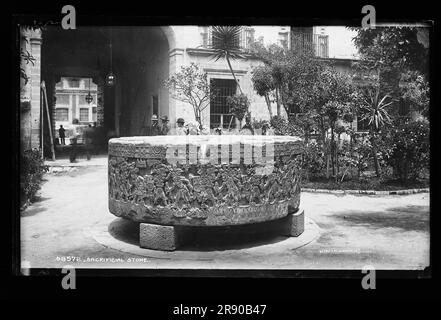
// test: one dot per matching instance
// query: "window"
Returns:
(283, 39)
(249, 37)
(62, 114)
(62, 99)
(73, 83)
(246, 37)
(219, 111)
(362, 125)
(84, 114)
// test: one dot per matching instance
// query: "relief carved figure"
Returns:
(194, 190)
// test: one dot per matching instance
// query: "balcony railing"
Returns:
(317, 43)
(246, 37)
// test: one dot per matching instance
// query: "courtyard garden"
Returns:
(367, 129)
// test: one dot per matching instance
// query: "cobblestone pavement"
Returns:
(385, 231)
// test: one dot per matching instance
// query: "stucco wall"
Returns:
(188, 42)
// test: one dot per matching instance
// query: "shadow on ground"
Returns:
(408, 218)
(36, 207)
(32, 211)
(209, 238)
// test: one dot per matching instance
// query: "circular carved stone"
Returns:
(204, 180)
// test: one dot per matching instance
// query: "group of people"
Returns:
(90, 138)
(195, 128)
(181, 129)
(159, 130)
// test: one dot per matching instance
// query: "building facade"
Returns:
(140, 59)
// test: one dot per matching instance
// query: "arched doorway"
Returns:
(137, 56)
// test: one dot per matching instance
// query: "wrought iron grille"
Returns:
(246, 37)
(220, 115)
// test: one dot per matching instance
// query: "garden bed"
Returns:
(371, 184)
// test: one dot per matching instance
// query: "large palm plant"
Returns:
(226, 44)
(376, 113)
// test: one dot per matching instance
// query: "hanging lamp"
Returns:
(110, 78)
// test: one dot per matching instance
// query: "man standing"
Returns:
(165, 126)
(62, 135)
(88, 140)
(247, 129)
(181, 130)
(155, 130)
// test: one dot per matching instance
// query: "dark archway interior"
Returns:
(138, 57)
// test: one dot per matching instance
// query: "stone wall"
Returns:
(30, 115)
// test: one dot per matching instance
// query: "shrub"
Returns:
(239, 105)
(357, 156)
(314, 163)
(409, 152)
(286, 128)
(31, 172)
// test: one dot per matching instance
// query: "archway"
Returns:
(137, 56)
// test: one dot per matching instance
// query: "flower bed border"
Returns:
(368, 192)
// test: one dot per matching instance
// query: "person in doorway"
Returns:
(165, 129)
(154, 129)
(181, 130)
(61, 134)
(95, 139)
(73, 149)
(88, 141)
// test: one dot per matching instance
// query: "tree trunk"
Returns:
(278, 102)
(336, 156)
(268, 104)
(332, 151)
(376, 162)
(232, 72)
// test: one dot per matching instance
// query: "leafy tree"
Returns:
(191, 85)
(238, 105)
(416, 92)
(390, 51)
(263, 85)
(408, 148)
(286, 77)
(330, 99)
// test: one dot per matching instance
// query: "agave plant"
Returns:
(226, 44)
(375, 109)
(378, 116)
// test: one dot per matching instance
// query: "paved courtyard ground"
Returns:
(387, 232)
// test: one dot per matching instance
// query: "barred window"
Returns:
(73, 83)
(246, 37)
(219, 111)
(62, 114)
(84, 114)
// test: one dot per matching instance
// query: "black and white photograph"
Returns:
(234, 146)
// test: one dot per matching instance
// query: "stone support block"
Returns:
(296, 223)
(157, 237)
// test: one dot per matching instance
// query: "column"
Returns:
(34, 38)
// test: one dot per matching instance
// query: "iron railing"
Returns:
(317, 43)
(246, 37)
